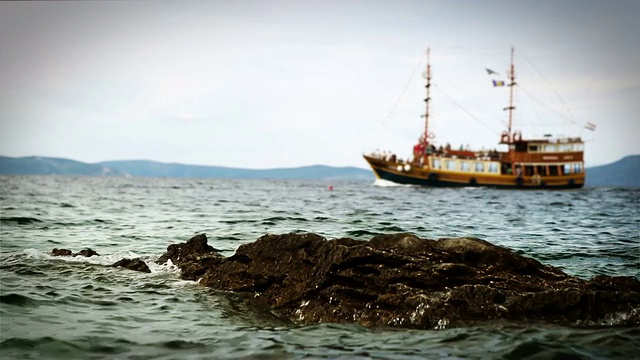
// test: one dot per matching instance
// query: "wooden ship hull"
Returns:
(539, 163)
(565, 176)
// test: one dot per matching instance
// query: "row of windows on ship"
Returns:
(550, 148)
(506, 168)
(533, 147)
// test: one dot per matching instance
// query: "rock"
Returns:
(403, 280)
(193, 257)
(133, 264)
(86, 253)
(60, 252)
(64, 252)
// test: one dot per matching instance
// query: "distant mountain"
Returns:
(37, 165)
(622, 173)
(158, 169)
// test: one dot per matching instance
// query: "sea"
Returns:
(81, 308)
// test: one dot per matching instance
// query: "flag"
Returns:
(489, 71)
(498, 83)
(590, 126)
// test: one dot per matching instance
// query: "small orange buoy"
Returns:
(330, 187)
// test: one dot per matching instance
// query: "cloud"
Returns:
(188, 117)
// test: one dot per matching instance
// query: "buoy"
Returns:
(330, 187)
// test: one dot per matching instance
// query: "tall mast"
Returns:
(427, 99)
(512, 84)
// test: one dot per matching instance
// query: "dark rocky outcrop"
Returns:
(86, 253)
(64, 252)
(136, 264)
(403, 280)
(193, 258)
(60, 252)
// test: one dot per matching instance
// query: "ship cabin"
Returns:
(530, 162)
(545, 157)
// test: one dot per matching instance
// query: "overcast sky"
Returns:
(264, 84)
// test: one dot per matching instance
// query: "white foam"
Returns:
(103, 259)
(166, 268)
(107, 260)
(619, 318)
(387, 183)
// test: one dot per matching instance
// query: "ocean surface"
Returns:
(80, 308)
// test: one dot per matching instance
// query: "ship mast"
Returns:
(512, 84)
(427, 99)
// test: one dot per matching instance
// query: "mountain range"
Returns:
(38, 165)
(622, 173)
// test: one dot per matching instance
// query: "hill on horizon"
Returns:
(38, 165)
(41, 165)
(622, 173)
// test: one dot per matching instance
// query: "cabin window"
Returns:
(528, 170)
(533, 148)
(578, 147)
(479, 167)
(521, 147)
(577, 168)
(564, 147)
(553, 170)
(541, 170)
(566, 169)
(451, 165)
(493, 167)
(465, 166)
(436, 163)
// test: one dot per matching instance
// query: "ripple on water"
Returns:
(18, 300)
(19, 220)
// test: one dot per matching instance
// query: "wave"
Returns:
(362, 233)
(387, 183)
(51, 347)
(103, 260)
(17, 299)
(20, 220)
(342, 341)
(392, 228)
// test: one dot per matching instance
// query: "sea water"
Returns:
(66, 307)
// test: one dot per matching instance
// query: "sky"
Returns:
(273, 84)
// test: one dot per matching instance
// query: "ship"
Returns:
(545, 162)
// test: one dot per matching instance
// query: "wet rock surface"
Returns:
(86, 253)
(403, 280)
(136, 264)
(61, 252)
(65, 252)
(193, 258)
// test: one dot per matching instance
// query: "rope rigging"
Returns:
(571, 117)
(568, 117)
(394, 108)
(466, 111)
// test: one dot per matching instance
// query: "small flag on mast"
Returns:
(498, 83)
(489, 71)
(590, 126)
